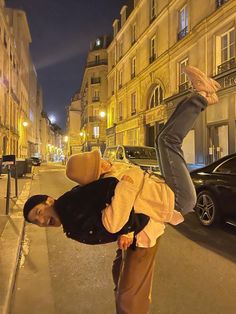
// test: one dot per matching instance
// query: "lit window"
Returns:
(98, 42)
(182, 76)
(228, 46)
(96, 131)
(133, 103)
(183, 22)
(156, 97)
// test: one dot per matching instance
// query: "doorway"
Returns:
(218, 142)
(152, 130)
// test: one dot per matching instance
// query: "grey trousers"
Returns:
(171, 160)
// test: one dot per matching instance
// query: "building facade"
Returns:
(93, 93)
(73, 125)
(153, 40)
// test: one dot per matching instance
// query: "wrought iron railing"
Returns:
(182, 33)
(230, 64)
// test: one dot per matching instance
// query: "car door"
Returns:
(225, 175)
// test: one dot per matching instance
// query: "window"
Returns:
(183, 22)
(96, 96)
(183, 79)
(227, 51)
(219, 3)
(120, 49)
(152, 10)
(156, 97)
(120, 110)
(120, 78)
(133, 67)
(133, 34)
(152, 49)
(133, 104)
(228, 167)
(96, 131)
(112, 86)
(97, 59)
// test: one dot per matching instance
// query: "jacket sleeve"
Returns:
(116, 214)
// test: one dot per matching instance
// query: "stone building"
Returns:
(93, 93)
(153, 40)
(73, 125)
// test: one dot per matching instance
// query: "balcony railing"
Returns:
(219, 3)
(96, 62)
(95, 80)
(183, 33)
(95, 99)
(111, 130)
(230, 64)
(183, 87)
(152, 58)
(93, 119)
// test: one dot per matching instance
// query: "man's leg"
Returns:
(171, 158)
(134, 282)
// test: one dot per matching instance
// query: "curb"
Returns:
(10, 248)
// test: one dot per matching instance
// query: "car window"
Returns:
(140, 153)
(110, 153)
(120, 154)
(228, 167)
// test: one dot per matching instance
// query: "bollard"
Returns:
(16, 181)
(8, 189)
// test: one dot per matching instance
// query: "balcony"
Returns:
(219, 3)
(152, 58)
(96, 63)
(95, 99)
(183, 87)
(93, 119)
(95, 80)
(182, 33)
(230, 64)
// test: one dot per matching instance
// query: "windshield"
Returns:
(140, 153)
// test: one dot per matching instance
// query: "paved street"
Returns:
(195, 269)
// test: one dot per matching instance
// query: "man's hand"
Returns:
(125, 240)
(127, 178)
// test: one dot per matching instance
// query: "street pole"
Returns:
(8, 189)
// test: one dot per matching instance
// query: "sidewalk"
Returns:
(11, 232)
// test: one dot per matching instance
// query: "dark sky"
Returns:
(61, 32)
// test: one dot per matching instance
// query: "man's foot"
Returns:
(200, 82)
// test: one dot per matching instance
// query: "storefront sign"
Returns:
(228, 81)
(156, 114)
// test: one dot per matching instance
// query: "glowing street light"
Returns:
(81, 133)
(102, 114)
(25, 123)
(66, 138)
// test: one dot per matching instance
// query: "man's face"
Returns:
(44, 215)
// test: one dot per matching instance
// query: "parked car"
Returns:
(36, 161)
(143, 156)
(216, 191)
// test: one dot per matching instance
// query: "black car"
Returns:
(216, 191)
(35, 161)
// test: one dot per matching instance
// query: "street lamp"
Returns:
(25, 123)
(102, 114)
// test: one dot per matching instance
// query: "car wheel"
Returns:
(207, 209)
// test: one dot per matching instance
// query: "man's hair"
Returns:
(32, 202)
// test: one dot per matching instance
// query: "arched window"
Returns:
(156, 97)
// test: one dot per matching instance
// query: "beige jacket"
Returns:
(148, 195)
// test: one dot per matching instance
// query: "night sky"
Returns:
(61, 32)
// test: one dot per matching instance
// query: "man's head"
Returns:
(39, 210)
(86, 167)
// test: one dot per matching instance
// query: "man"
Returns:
(80, 210)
